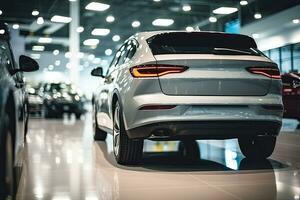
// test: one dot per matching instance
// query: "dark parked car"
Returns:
(291, 95)
(13, 114)
(35, 100)
(62, 98)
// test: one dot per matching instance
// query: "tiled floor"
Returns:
(63, 163)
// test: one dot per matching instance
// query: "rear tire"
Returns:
(126, 150)
(257, 148)
(7, 175)
(98, 133)
(189, 149)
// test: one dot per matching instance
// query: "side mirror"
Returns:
(27, 64)
(98, 71)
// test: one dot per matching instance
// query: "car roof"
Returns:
(148, 34)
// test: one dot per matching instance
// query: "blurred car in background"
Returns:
(60, 98)
(35, 100)
(291, 95)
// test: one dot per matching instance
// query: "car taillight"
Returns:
(144, 71)
(271, 72)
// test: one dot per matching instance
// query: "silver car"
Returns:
(172, 85)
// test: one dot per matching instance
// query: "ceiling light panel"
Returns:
(38, 48)
(225, 10)
(116, 38)
(136, 24)
(45, 40)
(61, 19)
(110, 18)
(96, 6)
(163, 22)
(35, 13)
(186, 8)
(40, 20)
(100, 31)
(91, 42)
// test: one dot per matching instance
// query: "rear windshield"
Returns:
(202, 43)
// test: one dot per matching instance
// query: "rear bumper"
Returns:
(205, 129)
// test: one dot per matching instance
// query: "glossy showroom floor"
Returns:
(63, 163)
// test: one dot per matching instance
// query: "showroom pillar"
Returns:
(74, 41)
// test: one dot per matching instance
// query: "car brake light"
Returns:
(157, 107)
(144, 71)
(271, 72)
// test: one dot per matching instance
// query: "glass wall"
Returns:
(287, 57)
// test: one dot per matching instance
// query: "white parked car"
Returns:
(186, 86)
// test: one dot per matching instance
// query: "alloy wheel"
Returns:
(116, 131)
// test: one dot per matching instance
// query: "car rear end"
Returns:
(291, 95)
(204, 85)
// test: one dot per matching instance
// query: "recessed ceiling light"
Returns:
(108, 52)
(35, 13)
(91, 42)
(40, 20)
(257, 16)
(68, 65)
(80, 55)
(91, 57)
(116, 38)
(50, 67)
(186, 8)
(255, 35)
(68, 54)
(45, 40)
(35, 56)
(136, 24)
(38, 48)
(1, 12)
(212, 19)
(189, 29)
(2, 31)
(56, 52)
(243, 3)
(225, 10)
(72, 0)
(61, 19)
(96, 6)
(156, 0)
(296, 21)
(97, 60)
(16, 26)
(80, 29)
(57, 63)
(110, 18)
(100, 31)
(163, 22)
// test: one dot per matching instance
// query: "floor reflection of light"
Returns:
(36, 158)
(230, 159)
(39, 193)
(91, 197)
(57, 160)
(61, 197)
(69, 157)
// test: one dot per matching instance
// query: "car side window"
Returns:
(113, 63)
(123, 51)
(6, 56)
(117, 59)
(132, 47)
